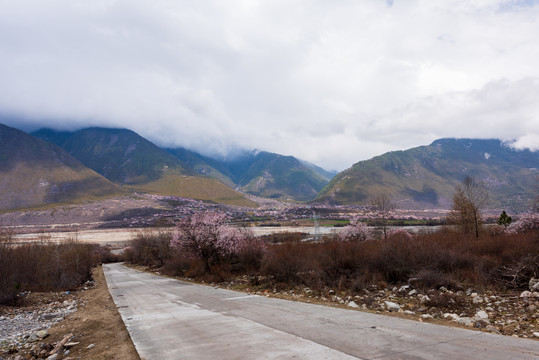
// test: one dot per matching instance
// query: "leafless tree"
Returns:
(469, 198)
(383, 206)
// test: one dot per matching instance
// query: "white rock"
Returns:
(412, 292)
(404, 288)
(453, 317)
(526, 294)
(352, 304)
(536, 334)
(481, 315)
(534, 284)
(427, 316)
(91, 346)
(408, 312)
(465, 321)
(477, 300)
(424, 298)
(391, 306)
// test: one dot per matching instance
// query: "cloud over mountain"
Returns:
(328, 82)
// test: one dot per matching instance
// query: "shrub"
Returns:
(399, 233)
(43, 266)
(526, 223)
(149, 248)
(289, 262)
(207, 237)
(356, 231)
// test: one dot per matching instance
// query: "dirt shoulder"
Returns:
(97, 328)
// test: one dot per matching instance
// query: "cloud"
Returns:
(332, 83)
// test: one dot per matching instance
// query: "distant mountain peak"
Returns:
(426, 176)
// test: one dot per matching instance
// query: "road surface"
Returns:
(170, 319)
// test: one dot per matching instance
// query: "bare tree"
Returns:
(469, 198)
(383, 206)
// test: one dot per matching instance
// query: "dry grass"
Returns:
(196, 188)
(45, 266)
(434, 260)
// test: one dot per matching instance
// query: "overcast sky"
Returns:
(331, 82)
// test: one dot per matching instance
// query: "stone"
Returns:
(481, 324)
(404, 288)
(33, 338)
(481, 315)
(526, 294)
(466, 321)
(412, 292)
(42, 334)
(53, 357)
(453, 317)
(536, 334)
(534, 284)
(391, 306)
(424, 298)
(352, 304)
(408, 312)
(427, 316)
(477, 300)
(492, 329)
(91, 346)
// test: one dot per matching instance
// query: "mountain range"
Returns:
(35, 173)
(52, 166)
(426, 176)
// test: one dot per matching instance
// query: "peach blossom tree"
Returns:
(208, 237)
(356, 231)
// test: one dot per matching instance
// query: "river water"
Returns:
(118, 237)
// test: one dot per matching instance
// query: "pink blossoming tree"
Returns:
(526, 222)
(399, 233)
(208, 237)
(356, 231)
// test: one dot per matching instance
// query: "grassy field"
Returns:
(198, 188)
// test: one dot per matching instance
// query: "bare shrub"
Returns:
(338, 263)
(288, 262)
(149, 248)
(432, 279)
(43, 267)
(447, 301)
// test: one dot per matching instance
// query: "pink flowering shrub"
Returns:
(356, 231)
(525, 223)
(399, 233)
(208, 237)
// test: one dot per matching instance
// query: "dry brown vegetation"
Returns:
(444, 258)
(45, 266)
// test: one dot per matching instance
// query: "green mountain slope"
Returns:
(130, 160)
(200, 165)
(120, 155)
(36, 173)
(426, 176)
(260, 173)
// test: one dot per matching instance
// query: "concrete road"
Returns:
(170, 319)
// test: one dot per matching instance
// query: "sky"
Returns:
(330, 82)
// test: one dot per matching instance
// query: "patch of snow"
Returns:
(487, 155)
